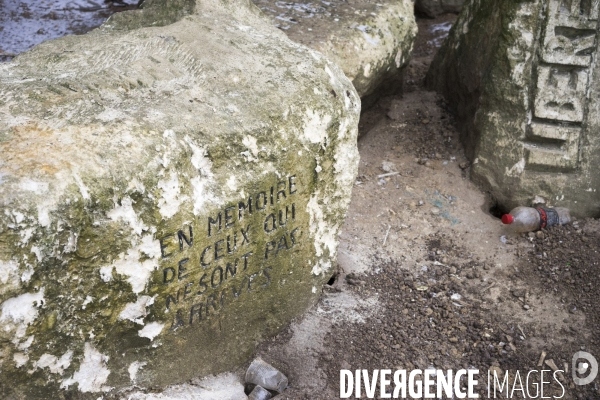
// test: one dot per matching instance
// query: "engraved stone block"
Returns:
(526, 90)
(570, 35)
(169, 197)
(552, 147)
(372, 47)
(560, 93)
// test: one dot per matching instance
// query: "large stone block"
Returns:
(371, 42)
(433, 8)
(169, 197)
(523, 81)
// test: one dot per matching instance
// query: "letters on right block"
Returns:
(559, 110)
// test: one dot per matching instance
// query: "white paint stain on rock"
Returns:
(92, 373)
(71, 244)
(367, 70)
(315, 126)
(252, 146)
(150, 246)
(27, 274)
(323, 234)
(26, 344)
(399, 60)
(85, 193)
(231, 183)
(151, 330)
(20, 311)
(126, 213)
(38, 252)
(169, 203)
(516, 169)
(54, 364)
(44, 214)
(225, 386)
(20, 359)
(34, 186)
(137, 272)
(345, 167)
(202, 194)
(367, 30)
(9, 274)
(199, 159)
(136, 312)
(133, 369)
(106, 273)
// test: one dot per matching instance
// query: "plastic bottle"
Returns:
(529, 219)
(264, 374)
(259, 393)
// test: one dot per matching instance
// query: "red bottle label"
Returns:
(548, 217)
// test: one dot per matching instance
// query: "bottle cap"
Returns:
(507, 219)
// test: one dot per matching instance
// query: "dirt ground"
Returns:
(429, 277)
